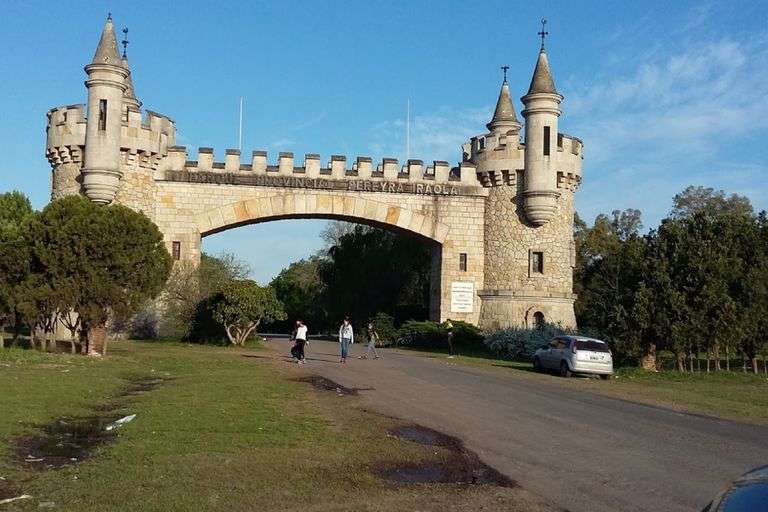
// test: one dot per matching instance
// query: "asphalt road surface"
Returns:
(582, 451)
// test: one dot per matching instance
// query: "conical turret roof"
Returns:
(129, 93)
(542, 80)
(504, 115)
(106, 52)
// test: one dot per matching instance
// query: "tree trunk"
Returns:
(717, 357)
(755, 367)
(648, 359)
(73, 344)
(690, 360)
(680, 361)
(709, 356)
(727, 359)
(97, 340)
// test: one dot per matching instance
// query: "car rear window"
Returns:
(594, 346)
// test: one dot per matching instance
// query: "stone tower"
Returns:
(106, 86)
(529, 251)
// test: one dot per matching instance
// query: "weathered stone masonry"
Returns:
(499, 223)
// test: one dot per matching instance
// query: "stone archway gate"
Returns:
(441, 205)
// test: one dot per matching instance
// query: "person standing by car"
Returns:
(448, 326)
(373, 338)
(346, 338)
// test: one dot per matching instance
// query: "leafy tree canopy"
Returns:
(706, 199)
(102, 259)
(242, 305)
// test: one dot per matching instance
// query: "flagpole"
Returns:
(407, 130)
(240, 132)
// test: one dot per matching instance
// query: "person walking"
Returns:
(448, 325)
(373, 338)
(294, 348)
(301, 341)
(346, 338)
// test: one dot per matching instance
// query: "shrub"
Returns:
(385, 326)
(521, 343)
(428, 334)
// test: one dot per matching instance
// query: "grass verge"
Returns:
(228, 430)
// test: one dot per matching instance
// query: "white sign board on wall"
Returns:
(462, 296)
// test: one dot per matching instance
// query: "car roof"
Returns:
(572, 337)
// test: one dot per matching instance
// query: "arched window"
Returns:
(538, 319)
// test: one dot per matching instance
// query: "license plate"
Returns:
(595, 358)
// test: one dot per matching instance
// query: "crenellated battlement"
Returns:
(148, 136)
(502, 159)
(337, 167)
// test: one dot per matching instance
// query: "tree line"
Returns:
(695, 286)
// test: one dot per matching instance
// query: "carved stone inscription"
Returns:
(361, 185)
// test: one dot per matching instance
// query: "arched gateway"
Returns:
(500, 222)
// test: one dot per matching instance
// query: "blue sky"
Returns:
(664, 94)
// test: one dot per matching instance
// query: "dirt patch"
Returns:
(64, 442)
(139, 386)
(7, 490)
(327, 385)
(460, 466)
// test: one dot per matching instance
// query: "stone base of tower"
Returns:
(505, 308)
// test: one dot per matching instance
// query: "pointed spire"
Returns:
(504, 117)
(106, 52)
(542, 80)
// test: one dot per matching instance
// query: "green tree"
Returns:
(372, 270)
(609, 258)
(299, 287)
(705, 199)
(102, 260)
(15, 215)
(188, 287)
(242, 305)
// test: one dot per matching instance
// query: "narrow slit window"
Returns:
(546, 141)
(537, 262)
(103, 115)
(463, 262)
(560, 140)
(176, 251)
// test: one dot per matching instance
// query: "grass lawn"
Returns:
(734, 395)
(227, 430)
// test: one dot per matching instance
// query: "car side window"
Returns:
(562, 344)
(553, 343)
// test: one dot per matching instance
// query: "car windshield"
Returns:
(593, 345)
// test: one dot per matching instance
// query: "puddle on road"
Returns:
(327, 385)
(461, 466)
(70, 440)
(425, 436)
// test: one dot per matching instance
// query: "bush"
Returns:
(428, 334)
(385, 326)
(521, 343)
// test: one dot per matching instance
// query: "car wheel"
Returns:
(564, 370)
(605, 377)
(537, 365)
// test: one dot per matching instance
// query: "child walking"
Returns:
(373, 338)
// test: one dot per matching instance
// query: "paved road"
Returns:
(582, 451)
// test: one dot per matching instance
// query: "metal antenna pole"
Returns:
(408, 129)
(240, 132)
